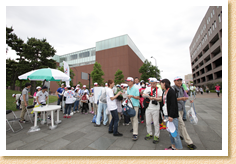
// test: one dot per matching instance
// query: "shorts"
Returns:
(91, 104)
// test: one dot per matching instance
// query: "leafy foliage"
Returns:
(148, 70)
(119, 77)
(97, 74)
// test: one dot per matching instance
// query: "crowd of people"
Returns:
(155, 103)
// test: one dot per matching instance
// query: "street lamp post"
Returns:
(155, 63)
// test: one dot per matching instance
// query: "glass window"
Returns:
(63, 59)
(213, 26)
(210, 30)
(213, 12)
(207, 21)
(215, 23)
(219, 18)
(73, 57)
(211, 15)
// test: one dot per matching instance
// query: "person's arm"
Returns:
(57, 94)
(37, 99)
(114, 97)
(171, 100)
(24, 99)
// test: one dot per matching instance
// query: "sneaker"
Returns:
(135, 137)
(192, 147)
(64, 116)
(161, 124)
(131, 131)
(169, 148)
(92, 112)
(74, 112)
(83, 113)
(21, 121)
(181, 137)
(25, 121)
(162, 128)
(77, 111)
(148, 137)
(124, 124)
(155, 140)
(142, 121)
(96, 125)
(118, 134)
(184, 119)
(127, 124)
(110, 132)
(68, 116)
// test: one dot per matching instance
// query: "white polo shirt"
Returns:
(42, 96)
(159, 93)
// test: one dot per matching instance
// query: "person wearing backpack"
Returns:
(180, 94)
(112, 107)
(154, 94)
(102, 106)
(69, 94)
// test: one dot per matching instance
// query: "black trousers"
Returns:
(85, 107)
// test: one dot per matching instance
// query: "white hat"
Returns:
(72, 88)
(62, 84)
(106, 84)
(178, 78)
(38, 87)
(129, 79)
(13, 95)
(117, 85)
(153, 80)
(67, 86)
(84, 86)
(96, 83)
(78, 85)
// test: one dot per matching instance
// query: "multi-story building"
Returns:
(188, 78)
(113, 54)
(206, 48)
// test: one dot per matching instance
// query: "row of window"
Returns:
(80, 55)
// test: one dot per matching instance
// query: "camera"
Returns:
(154, 102)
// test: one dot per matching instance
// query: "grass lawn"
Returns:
(10, 101)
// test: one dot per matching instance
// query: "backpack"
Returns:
(84, 98)
(103, 98)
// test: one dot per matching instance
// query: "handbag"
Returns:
(192, 115)
(128, 111)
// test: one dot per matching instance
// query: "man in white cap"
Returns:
(180, 95)
(154, 94)
(59, 93)
(106, 85)
(133, 95)
(18, 102)
(42, 96)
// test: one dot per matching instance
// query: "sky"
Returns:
(160, 30)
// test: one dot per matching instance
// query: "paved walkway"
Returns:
(78, 132)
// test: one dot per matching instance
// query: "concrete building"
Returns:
(113, 54)
(188, 78)
(206, 48)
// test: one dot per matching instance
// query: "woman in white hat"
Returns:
(38, 88)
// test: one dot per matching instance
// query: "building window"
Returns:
(63, 59)
(213, 26)
(211, 15)
(215, 23)
(84, 54)
(219, 18)
(207, 21)
(213, 12)
(210, 30)
(73, 57)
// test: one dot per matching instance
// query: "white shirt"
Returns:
(91, 99)
(159, 93)
(137, 85)
(102, 91)
(111, 105)
(69, 96)
(42, 97)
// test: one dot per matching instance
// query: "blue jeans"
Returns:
(176, 140)
(101, 107)
(193, 93)
(76, 105)
(114, 121)
(68, 106)
(58, 101)
(184, 110)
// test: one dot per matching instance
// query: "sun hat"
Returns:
(178, 78)
(129, 79)
(84, 86)
(62, 84)
(38, 87)
(95, 83)
(78, 85)
(153, 80)
(13, 95)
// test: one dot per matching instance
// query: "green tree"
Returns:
(71, 76)
(119, 77)
(148, 70)
(97, 74)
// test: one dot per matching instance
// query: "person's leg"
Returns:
(105, 118)
(116, 120)
(110, 118)
(182, 129)
(86, 107)
(142, 114)
(111, 124)
(66, 107)
(99, 112)
(58, 101)
(69, 106)
(148, 121)
(175, 141)
(135, 121)
(75, 105)
(22, 114)
(155, 116)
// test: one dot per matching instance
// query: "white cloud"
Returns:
(161, 31)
